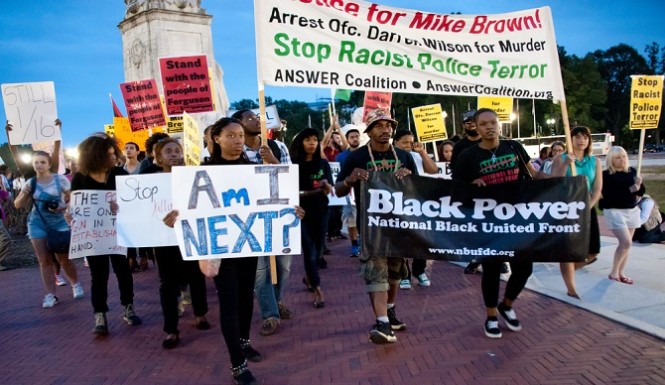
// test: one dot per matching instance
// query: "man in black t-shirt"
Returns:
(381, 274)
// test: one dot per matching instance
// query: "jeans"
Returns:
(267, 294)
(5, 240)
(99, 273)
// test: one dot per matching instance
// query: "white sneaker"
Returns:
(59, 280)
(423, 280)
(49, 301)
(77, 289)
(405, 284)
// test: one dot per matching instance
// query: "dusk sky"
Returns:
(77, 45)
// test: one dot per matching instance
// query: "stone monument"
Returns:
(153, 29)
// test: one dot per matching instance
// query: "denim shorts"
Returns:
(38, 229)
(379, 272)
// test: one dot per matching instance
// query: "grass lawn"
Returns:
(654, 182)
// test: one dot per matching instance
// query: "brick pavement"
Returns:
(444, 342)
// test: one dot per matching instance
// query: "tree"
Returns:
(616, 65)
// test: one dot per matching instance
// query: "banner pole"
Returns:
(566, 129)
(640, 152)
(264, 140)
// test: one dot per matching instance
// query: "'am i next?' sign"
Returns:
(236, 211)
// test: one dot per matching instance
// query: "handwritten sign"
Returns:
(236, 211)
(501, 105)
(144, 201)
(144, 107)
(31, 110)
(186, 84)
(93, 224)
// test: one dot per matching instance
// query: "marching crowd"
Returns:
(615, 187)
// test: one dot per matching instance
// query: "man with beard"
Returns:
(381, 274)
(348, 210)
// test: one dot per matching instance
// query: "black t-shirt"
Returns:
(383, 162)
(501, 165)
(311, 174)
(85, 182)
(616, 190)
(462, 145)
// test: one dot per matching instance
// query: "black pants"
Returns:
(235, 289)
(520, 273)
(417, 267)
(334, 221)
(173, 271)
(99, 273)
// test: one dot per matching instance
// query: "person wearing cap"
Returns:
(381, 274)
(349, 210)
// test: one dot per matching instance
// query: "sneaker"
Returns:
(49, 301)
(510, 317)
(355, 251)
(492, 328)
(130, 316)
(395, 323)
(244, 378)
(249, 352)
(284, 312)
(269, 326)
(405, 284)
(471, 268)
(381, 333)
(101, 327)
(424, 281)
(59, 280)
(77, 289)
(505, 268)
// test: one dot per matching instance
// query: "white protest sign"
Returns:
(367, 46)
(144, 200)
(31, 110)
(236, 211)
(444, 171)
(334, 200)
(93, 224)
(272, 116)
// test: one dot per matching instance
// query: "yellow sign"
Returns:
(123, 133)
(646, 101)
(429, 123)
(502, 106)
(191, 140)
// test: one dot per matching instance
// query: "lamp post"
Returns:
(550, 123)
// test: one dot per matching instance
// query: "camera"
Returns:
(51, 205)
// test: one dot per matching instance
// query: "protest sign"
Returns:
(32, 111)
(236, 211)
(191, 140)
(429, 122)
(93, 224)
(376, 100)
(646, 101)
(272, 116)
(502, 106)
(123, 133)
(539, 221)
(334, 200)
(186, 84)
(144, 201)
(444, 171)
(144, 108)
(368, 46)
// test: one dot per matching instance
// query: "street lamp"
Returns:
(550, 122)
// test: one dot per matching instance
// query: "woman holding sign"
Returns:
(98, 156)
(315, 185)
(173, 270)
(48, 193)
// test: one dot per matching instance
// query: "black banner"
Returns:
(540, 221)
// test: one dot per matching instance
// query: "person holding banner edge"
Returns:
(495, 161)
(270, 297)
(382, 275)
(98, 155)
(588, 165)
(236, 276)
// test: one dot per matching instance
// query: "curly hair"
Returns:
(93, 153)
